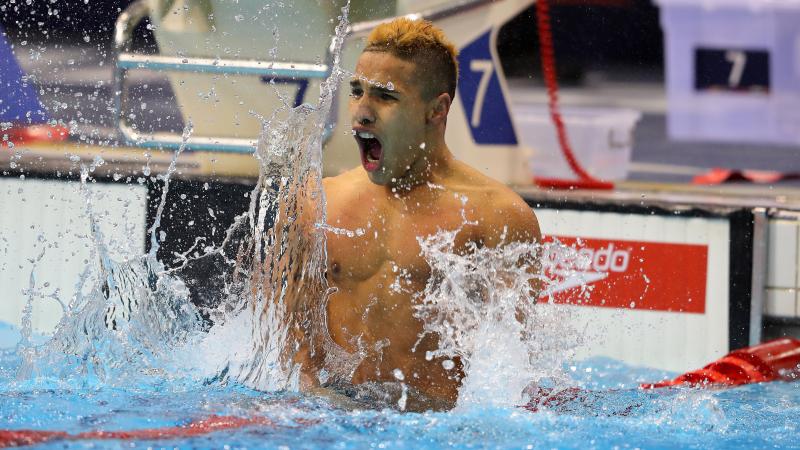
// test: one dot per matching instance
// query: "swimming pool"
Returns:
(612, 413)
(158, 406)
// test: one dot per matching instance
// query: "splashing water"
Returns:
(134, 318)
(482, 306)
(281, 248)
(126, 318)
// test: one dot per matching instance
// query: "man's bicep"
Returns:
(523, 227)
(514, 223)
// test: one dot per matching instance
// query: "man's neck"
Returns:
(425, 171)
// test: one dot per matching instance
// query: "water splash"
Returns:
(126, 319)
(482, 303)
(279, 291)
(135, 317)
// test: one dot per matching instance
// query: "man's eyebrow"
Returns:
(356, 82)
(384, 89)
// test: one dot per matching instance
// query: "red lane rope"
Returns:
(211, 424)
(549, 71)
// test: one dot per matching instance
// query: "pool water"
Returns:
(609, 413)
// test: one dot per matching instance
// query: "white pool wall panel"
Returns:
(783, 267)
(45, 233)
(676, 341)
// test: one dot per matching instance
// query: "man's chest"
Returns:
(385, 242)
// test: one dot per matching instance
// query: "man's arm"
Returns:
(285, 267)
(514, 221)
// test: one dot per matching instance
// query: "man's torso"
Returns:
(375, 265)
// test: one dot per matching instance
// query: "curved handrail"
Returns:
(127, 21)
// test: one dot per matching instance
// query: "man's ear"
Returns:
(438, 108)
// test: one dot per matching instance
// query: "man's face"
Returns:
(388, 116)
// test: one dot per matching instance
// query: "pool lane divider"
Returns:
(776, 360)
(211, 424)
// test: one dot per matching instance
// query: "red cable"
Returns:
(549, 71)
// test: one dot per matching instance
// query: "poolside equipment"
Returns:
(584, 178)
(23, 119)
(777, 360)
(721, 175)
(600, 139)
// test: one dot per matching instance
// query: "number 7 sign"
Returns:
(482, 95)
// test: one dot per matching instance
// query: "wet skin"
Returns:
(412, 191)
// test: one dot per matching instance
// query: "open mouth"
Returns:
(371, 150)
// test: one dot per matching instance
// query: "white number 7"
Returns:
(485, 66)
(738, 59)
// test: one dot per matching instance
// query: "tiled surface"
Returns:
(782, 267)
(781, 303)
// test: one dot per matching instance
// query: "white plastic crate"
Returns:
(733, 70)
(600, 138)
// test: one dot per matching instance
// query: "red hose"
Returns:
(549, 71)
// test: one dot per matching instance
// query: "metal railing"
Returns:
(125, 61)
(134, 13)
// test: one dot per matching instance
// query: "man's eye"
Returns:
(385, 96)
(356, 92)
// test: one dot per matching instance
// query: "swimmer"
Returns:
(409, 185)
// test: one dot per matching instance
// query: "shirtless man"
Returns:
(409, 185)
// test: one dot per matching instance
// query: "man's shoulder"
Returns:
(349, 181)
(491, 191)
(501, 207)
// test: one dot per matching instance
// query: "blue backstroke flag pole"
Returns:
(19, 103)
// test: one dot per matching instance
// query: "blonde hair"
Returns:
(422, 43)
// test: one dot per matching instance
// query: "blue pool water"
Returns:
(611, 413)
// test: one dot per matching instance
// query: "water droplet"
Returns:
(398, 375)
(448, 364)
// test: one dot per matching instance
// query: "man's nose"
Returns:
(362, 113)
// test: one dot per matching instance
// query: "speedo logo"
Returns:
(568, 267)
